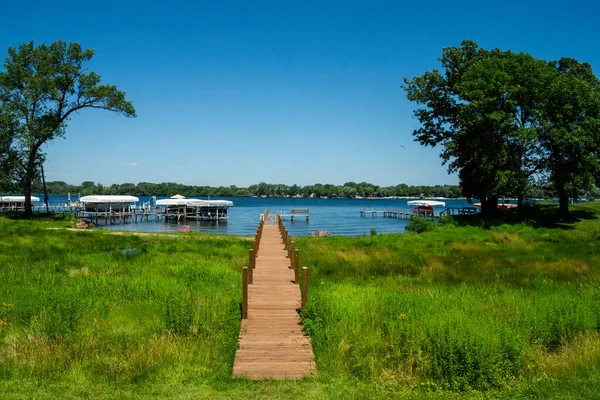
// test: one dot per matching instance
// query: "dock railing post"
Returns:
(291, 254)
(251, 265)
(297, 267)
(304, 286)
(245, 293)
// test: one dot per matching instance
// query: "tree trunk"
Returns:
(520, 204)
(27, 184)
(493, 204)
(489, 205)
(563, 199)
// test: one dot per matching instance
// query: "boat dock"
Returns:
(415, 212)
(401, 214)
(109, 209)
(272, 344)
(295, 213)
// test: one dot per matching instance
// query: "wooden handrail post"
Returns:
(245, 293)
(257, 239)
(291, 254)
(251, 266)
(297, 267)
(304, 287)
(254, 246)
(286, 240)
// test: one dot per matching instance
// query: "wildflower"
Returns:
(401, 316)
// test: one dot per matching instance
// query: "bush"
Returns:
(419, 225)
(447, 220)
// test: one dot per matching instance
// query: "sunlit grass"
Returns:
(501, 310)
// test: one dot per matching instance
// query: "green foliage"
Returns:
(447, 220)
(419, 225)
(504, 119)
(363, 189)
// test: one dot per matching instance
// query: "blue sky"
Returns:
(239, 92)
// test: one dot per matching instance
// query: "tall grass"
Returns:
(501, 310)
(117, 308)
(460, 308)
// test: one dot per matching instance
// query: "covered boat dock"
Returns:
(202, 210)
(15, 203)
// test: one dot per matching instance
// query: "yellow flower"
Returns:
(401, 316)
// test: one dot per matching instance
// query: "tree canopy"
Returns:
(41, 87)
(507, 120)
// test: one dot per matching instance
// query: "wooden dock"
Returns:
(272, 344)
(295, 213)
(401, 214)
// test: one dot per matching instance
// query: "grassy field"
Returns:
(504, 308)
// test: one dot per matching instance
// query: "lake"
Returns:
(337, 216)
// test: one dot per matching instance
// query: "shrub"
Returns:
(419, 225)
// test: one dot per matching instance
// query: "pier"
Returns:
(272, 344)
(295, 213)
(401, 214)
(407, 214)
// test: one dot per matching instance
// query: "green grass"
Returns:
(117, 309)
(504, 308)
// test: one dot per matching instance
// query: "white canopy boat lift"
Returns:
(202, 210)
(112, 208)
(15, 203)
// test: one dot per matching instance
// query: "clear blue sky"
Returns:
(238, 92)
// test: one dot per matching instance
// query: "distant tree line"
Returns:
(347, 190)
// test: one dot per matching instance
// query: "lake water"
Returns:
(337, 216)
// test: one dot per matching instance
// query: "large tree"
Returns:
(464, 109)
(570, 130)
(503, 119)
(41, 87)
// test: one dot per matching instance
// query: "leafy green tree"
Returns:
(88, 188)
(570, 130)
(484, 112)
(41, 87)
(9, 165)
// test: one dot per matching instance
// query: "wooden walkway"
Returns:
(272, 344)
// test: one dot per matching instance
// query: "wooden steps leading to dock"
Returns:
(272, 344)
